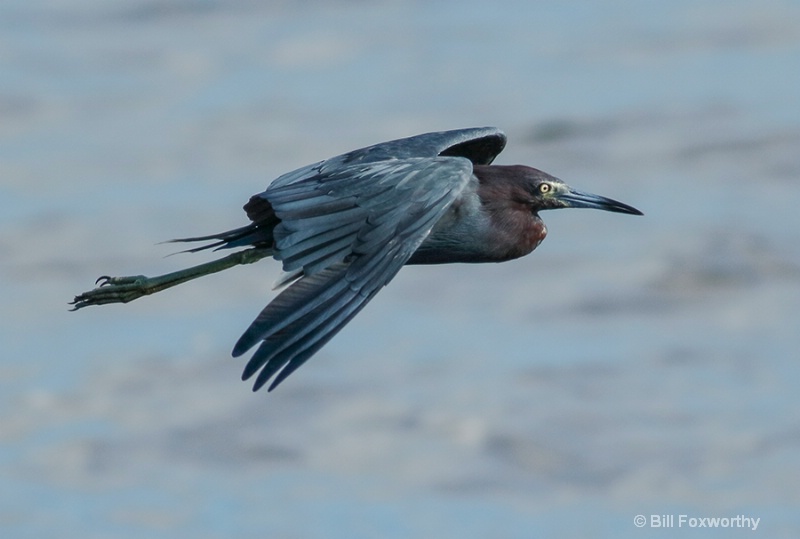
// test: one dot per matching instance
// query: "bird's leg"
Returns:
(125, 289)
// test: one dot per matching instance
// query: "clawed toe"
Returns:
(105, 280)
(112, 290)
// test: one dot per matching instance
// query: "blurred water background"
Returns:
(629, 366)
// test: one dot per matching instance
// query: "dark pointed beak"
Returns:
(578, 199)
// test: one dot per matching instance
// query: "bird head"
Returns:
(550, 193)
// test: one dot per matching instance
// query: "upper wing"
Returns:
(349, 230)
(478, 144)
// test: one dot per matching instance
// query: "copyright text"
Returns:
(689, 521)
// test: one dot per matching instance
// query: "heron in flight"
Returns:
(343, 228)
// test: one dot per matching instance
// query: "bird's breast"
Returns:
(518, 233)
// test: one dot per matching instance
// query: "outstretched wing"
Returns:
(478, 144)
(348, 228)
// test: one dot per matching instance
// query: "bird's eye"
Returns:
(544, 188)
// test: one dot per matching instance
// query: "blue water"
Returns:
(629, 366)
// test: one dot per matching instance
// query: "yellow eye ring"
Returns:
(545, 188)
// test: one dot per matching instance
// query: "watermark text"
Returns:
(690, 521)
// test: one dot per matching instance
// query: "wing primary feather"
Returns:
(303, 296)
(300, 358)
(279, 344)
(287, 277)
(309, 348)
(294, 343)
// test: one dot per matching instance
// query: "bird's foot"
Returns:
(114, 290)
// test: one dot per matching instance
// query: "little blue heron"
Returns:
(344, 227)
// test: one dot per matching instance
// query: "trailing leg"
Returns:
(125, 289)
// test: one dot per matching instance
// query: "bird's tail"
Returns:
(252, 235)
(259, 233)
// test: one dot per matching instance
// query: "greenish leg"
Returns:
(125, 289)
